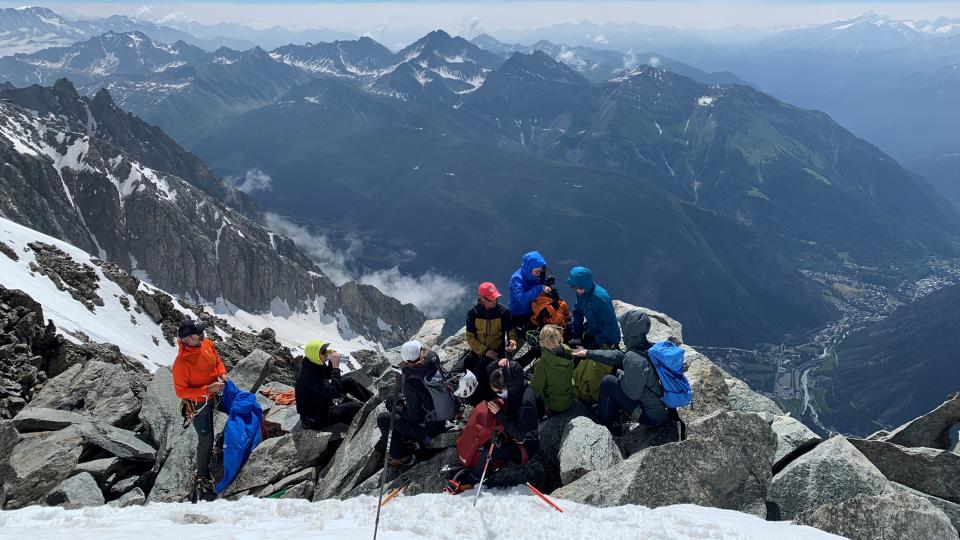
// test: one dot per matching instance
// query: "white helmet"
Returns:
(467, 385)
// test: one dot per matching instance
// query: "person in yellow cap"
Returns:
(321, 393)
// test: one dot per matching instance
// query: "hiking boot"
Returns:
(453, 487)
(202, 489)
(401, 462)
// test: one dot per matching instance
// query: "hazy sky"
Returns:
(458, 16)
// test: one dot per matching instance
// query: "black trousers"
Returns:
(342, 412)
(405, 434)
(203, 425)
(507, 451)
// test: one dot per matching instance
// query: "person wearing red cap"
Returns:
(490, 336)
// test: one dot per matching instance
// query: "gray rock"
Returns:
(716, 389)
(952, 510)
(641, 437)
(76, 491)
(119, 442)
(890, 516)
(724, 463)
(932, 471)
(37, 464)
(662, 327)
(278, 457)
(44, 419)
(832, 472)
(134, 497)
(356, 459)
(100, 469)
(284, 416)
(175, 477)
(452, 347)
(446, 439)
(303, 490)
(543, 468)
(196, 519)
(250, 372)
(793, 440)
(160, 412)
(586, 446)
(266, 403)
(421, 477)
(299, 477)
(106, 392)
(931, 430)
(429, 333)
(124, 485)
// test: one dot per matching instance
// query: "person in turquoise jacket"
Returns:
(593, 304)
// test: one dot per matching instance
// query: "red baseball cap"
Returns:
(488, 290)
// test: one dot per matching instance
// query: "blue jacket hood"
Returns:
(580, 276)
(531, 261)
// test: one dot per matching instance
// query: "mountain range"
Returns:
(73, 172)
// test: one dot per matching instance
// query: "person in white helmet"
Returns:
(421, 408)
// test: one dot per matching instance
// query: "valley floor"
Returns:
(505, 514)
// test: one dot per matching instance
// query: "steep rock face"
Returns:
(101, 198)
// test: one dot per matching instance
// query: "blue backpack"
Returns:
(667, 358)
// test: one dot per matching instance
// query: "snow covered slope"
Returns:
(501, 516)
(135, 333)
(120, 322)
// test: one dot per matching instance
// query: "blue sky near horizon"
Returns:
(464, 15)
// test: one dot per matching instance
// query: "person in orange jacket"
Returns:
(198, 377)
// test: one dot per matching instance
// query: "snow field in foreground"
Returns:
(501, 515)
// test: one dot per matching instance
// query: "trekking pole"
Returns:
(386, 455)
(486, 464)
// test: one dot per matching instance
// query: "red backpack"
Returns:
(481, 425)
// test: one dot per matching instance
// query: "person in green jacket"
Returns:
(637, 390)
(552, 380)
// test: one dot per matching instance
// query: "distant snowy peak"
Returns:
(126, 53)
(29, 29)
(940, 27)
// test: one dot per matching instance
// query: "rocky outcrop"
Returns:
(356, 459)
(890, 516)
(932, 471)
(716, 389)
(952, 510)
(831, 473)
(662, 327)
(106, 392)
(931, 430)
(278, 457)
(76, 492)
(249, 374)
(586, 447)
(134, 497)
(793, 439)
(37, 464)
(725, 463)
(43, 419)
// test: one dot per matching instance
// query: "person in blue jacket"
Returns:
(600, 330)
(526, 284)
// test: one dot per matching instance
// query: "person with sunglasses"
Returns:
(198, 378)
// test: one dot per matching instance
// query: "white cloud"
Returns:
(333, 261)
(433, 293)
(253, 180)
(654, 61)
(629, 60)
